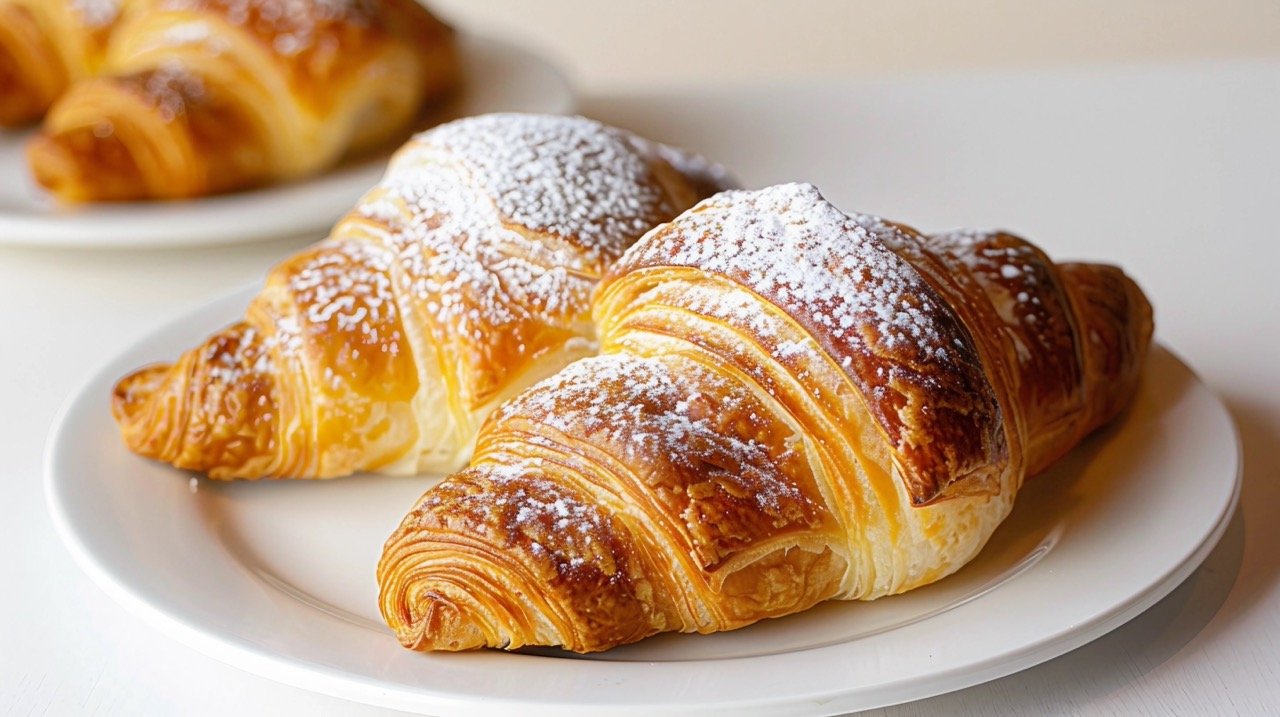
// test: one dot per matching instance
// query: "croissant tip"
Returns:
(98, 143)
(51, 162)
(62, 163)
(132, 392)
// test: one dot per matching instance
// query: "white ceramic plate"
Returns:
(498, 77)
(278, 578)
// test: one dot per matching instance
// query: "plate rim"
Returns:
(32, 231)
(338, 683)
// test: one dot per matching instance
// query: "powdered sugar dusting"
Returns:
(242, 356)
(196, 32)
(827, 269)
(652, 411)
(345, 288)
(994, 252)
(1019, 281)
(869, 311)
(292, 26)
(170, 87)
(469, 271)
(96, 13)
(460, 203)
(431, 240)
(572, 177)
(528, 504)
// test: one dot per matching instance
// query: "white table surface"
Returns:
(1171, 171)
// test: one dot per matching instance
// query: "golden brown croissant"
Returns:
(198, 97)
(791, 405)
(462, 278)
(45, 45)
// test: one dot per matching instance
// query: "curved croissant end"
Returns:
(791, 405)
(602, 505)
(177, 413)
(1115, 326)
(1073, 336)
(462, 278)
(293, 390)
(105, 140)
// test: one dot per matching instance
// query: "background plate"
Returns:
(278, 578)
(498, 77)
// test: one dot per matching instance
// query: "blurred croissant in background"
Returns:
(164, 99)
(45, 45)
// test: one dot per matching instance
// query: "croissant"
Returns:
(791, 405)
(462, 278)
(45, 45)
(197, 97)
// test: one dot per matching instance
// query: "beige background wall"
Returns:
(611, 44)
